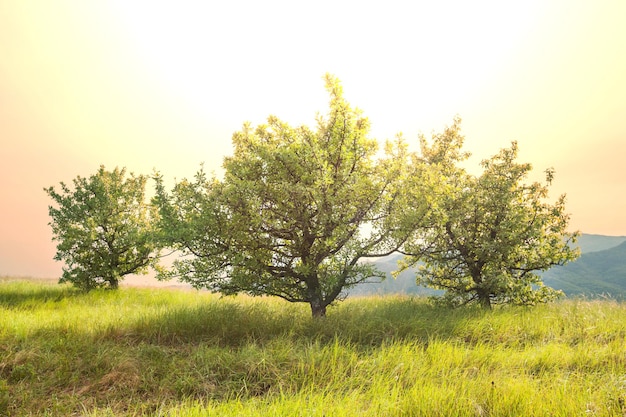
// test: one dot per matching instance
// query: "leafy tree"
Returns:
(489, 234)
(296, 211)
(103, 226)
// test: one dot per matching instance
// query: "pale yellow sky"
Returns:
(149, 84)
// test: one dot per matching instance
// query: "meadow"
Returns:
(180, 353)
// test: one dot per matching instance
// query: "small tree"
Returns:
(490, 234)
(103, 227)
(295, 213)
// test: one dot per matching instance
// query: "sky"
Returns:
(156, 85)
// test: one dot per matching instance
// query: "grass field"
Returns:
(160, 352)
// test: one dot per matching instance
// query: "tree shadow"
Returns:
(365, 323)
(232, 322)
(23, 294)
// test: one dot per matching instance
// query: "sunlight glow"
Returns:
(163, 85)
(209, 55)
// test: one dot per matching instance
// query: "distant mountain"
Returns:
(403, 284)
(594, 273)
(595, 243)
(600, 270)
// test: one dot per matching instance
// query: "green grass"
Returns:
(145, 352)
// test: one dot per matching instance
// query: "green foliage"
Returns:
(489, 234)
(146, 352)
(296, 211)
(299, 210)
(103, 226)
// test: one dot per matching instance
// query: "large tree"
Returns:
(104, 228)
(296, 212)
(489, 235)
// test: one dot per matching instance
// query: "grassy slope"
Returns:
(178, 353)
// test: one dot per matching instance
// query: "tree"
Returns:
(103, 226)
(296, 211)
(489, 234)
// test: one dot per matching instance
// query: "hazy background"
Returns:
(163, 85)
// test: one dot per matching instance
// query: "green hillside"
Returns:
(594, 273)
(403, 284)
(595, 243)
(601, 270)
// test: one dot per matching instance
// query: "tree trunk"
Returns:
(113, 283)
(315, 297)
(318, 309)
(484, 299)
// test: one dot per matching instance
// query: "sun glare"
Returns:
(215, 66)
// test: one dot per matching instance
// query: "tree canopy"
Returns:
(296, 211)
(489, 235)
(299, 213)
(104, 228)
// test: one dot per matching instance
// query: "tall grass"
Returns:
(139, 352)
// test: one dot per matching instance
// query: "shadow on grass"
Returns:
(29, 294)
(176, 347)
(239, 321)
(362, 322)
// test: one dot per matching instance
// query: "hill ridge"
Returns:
(600, 270)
